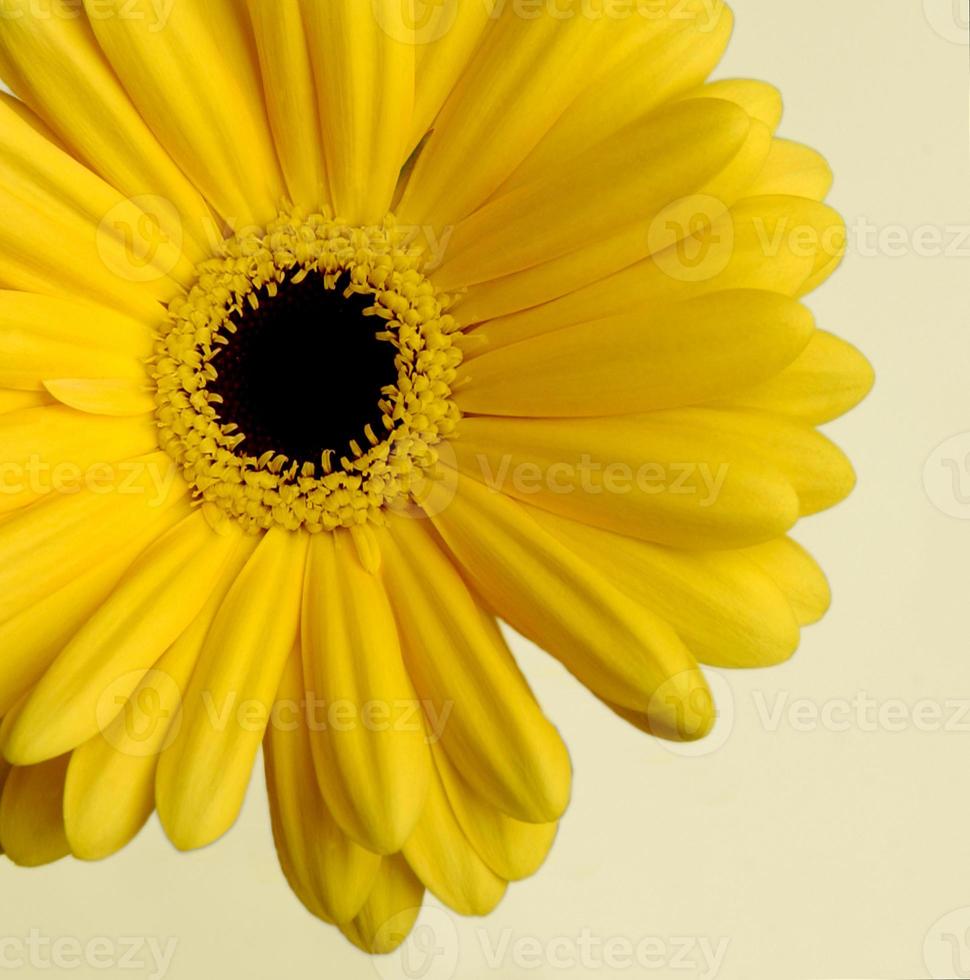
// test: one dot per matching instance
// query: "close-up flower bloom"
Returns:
(334, 333)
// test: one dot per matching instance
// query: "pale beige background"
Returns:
(814, 853)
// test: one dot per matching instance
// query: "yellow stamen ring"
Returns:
(417, 411)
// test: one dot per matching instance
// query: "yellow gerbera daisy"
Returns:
(332, 332)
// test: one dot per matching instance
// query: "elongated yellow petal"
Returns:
(158, 598)
(815, 467)
(66, 232)
(365, 91)
(727, 611)
(674, 55)
(288, 85)
(511, 848)
(827, 379)
(527, 72)
(759, 100)
(627, 180)
(103, 396)
(54, 63)
(48, 337)
(759, 244)
(443, 858)
(371, 757)
(446, 36)
(31, 817)
(390, 911)
(193, 80)
(797, 574)
(110, 787)
(45, 546)
(655, 358)
(667, 477)
(55, 449)
(462, 668)
(330, 873)
(793, 169)
(15, 401)
(202, 777)
(618, 649)
(660, 217)
(36, 634)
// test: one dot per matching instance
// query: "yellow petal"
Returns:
(727, 611)
(626, 181)
(511, 848)
(102, 396)
(445, 861)
(390, 911)
(15, 401)
(55, 449)
(288, 85)
(331, 874)
(667, 477)
(88, 684)
(110, 788)
(462, 669)
(759, 100)
(446, 36)
(193, 80)
(618, 649)
(365, 91)
(674, 54)
(31, 818)
(38, 632)
(49, 337)
(55, 65)
(371, 756)
(643, 359)
(815, 467)
(798, 576)
(682, 200)
(66, 232)
(203, 776)
(46, 546)
(793, 169)
(756, 245)
(825, 381)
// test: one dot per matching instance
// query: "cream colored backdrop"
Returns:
(822, 831)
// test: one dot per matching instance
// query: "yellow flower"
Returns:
(332, 331)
